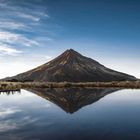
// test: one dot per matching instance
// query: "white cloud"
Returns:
(13, 38)
(5, 50)
(22, 19)
(28, 16)
(11, 25)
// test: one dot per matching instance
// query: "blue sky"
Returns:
(33, 32)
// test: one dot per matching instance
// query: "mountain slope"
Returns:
(73, 67)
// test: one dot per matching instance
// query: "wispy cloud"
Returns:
(6, 50)
(21, 26)
(14, 38)
(11, 25)
(28, 16)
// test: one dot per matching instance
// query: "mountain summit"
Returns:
(71, 66)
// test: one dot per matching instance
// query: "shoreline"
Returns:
(114, 84)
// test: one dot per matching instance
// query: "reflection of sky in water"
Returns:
(28, 116)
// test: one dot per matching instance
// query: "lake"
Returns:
(70, 114)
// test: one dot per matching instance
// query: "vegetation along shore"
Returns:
(19, 85)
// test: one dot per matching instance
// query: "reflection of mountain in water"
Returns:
(72, 99)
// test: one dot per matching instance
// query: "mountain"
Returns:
(71, 66)
(72, 99)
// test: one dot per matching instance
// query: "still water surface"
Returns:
(70, 114)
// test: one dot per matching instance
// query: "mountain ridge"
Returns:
(71, 66)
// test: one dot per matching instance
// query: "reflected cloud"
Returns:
(34, 117)
(8, 111)
(7, 125)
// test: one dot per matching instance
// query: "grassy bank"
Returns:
(19, 85)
